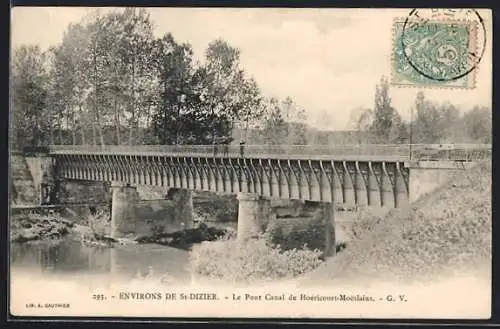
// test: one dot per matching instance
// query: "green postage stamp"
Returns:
(436, 51)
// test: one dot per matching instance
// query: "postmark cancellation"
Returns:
(437, 51)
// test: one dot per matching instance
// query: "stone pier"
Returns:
(182, 206)
(123, 219)
(254, 213)
(329, 218)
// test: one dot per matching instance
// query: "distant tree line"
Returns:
(430, 122)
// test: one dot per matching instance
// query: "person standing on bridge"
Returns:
(225, 145)
(215, 146)
(242, 148)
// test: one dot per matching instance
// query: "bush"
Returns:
(253, 261)
(99, 223)
(30, 227)
(365, 221)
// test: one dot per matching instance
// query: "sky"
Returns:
(328, 60)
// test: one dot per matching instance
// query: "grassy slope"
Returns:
(448, 230)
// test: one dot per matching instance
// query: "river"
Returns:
(67, 258)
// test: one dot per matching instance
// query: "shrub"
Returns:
(38, 227)
(99, 223)
(253, 261)
(364, 222)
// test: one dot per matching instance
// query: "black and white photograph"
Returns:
(322, 163)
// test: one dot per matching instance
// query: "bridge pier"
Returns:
(329, 218)
(183, 206)
(253, 215)
(123, 209)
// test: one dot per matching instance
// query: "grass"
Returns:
(256, 260)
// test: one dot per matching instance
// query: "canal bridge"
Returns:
(371, 175)
(352, 174)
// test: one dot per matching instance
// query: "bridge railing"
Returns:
(456, 152)
(246, 150)
(451, 152)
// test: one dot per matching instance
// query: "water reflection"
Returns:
(68, 256)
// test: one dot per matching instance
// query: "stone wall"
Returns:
(23, 189)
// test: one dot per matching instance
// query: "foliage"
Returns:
(31, 227)
(29, 97)
(110, 81)
(385, 126)
(478, 124)
(432, 123)
(175, 70)
(284, 123)
(253, 261)
(99, 223)
(425, 129)
(438, 123)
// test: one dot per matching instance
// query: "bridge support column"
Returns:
(253, 214)
(427, 176)
(123, 209)
(329, 218)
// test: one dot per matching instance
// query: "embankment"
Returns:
(446, 232)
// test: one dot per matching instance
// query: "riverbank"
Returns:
(186, 238)
(443, 234)
(93, 232)
(25, 228)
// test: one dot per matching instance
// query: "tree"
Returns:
(450, 123)
(275, 126)
(360, 121)
(384, 115)
(95, 69)
(30, 122)
(110, 78)
(478, 125)
(63, 92)
(69, 74)
(133, 50)
(177, 92)
(248, 104)
(427, 123)
(295, 119)
(284, 123)
(399, 132)
(228, 92)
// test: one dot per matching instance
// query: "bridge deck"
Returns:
(373, 152)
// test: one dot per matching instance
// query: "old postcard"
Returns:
(280, 163)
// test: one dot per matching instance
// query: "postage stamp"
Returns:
(437, 50)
